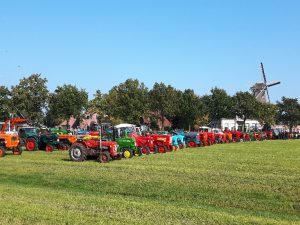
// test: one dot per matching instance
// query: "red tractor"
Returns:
(105, 151)
(237, 136)
(163, 142)
(145, 144)
(268, 135)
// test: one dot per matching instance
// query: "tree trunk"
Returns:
(162, 121)
(291, 128)
(244, 123)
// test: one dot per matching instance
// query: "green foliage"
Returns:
(164, 101)
(245, 106)
(219, 104)
(244, 183)
(128, 101)
(190, 109)
(289, 112)
(30, 98)
(98, 105)
(5, 103)
(266, 113)
(66, 101)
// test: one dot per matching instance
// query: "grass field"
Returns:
(242, 183)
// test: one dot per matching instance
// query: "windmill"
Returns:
(260, 90)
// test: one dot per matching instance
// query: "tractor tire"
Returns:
(162, 148)
(182, 145)
(31, 144)
(49, 148)
(144, 150)
(104, 157)
(192, 144)
(2, 151)
(78, 152)
(127, 153)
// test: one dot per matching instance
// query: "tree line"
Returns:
(133, 102)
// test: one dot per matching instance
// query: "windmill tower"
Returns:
(260, 90)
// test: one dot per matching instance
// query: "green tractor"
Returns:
(127, 145)
(33, 140)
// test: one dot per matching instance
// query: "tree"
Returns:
(289, 112)
(98, 105)
(190, 109)
(164, 101)
(5, 103)
(30, 98)
(266, 114)
(128, 101)
(218, 104)
(66, 101)
(245, 106)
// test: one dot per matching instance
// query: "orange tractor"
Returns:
(9, 140)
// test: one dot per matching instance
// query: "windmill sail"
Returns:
(260, 90)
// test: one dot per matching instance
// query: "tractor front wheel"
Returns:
(127, 153)
(31, 144)
(192, 144)
(49, 148)
(2, 151)
(162, 148)
(145, 150)
(104, 157)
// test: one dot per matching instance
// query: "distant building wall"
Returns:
(235, 124)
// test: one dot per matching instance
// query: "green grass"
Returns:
(242, 183)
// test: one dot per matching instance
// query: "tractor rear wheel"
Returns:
(145, 150)
(2, 151)
(49, 148)
(127, 153)
(104, 157)
(31, 144)
(78, 152)
(162, 148)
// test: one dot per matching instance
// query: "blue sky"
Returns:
(187, 44)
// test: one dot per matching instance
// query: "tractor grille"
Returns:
(116, 148)
(14, 138)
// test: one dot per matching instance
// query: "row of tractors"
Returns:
(16, 138)
(121, 141)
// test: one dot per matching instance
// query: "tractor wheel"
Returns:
(162, 148)
(182, 145)
(127, 153)
(104, 157)
(78, 152)
(49, 148)
(145, 150)
(2, 151)
(192, 144)
(31, 144)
